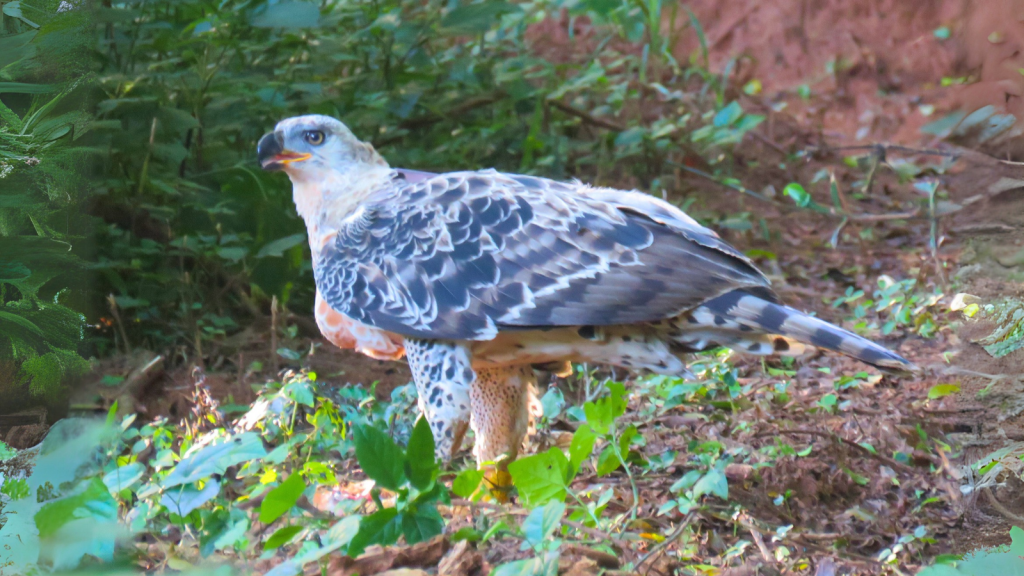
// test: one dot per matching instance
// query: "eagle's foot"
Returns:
(498, 483)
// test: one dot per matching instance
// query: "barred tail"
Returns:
(759, 315)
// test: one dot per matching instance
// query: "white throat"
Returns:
(325, 197)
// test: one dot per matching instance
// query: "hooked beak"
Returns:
(272, 154)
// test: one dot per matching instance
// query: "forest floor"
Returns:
(847, 503)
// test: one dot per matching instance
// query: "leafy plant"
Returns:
(982, 562)
(412, 476)
(43, 183)
(900, 303)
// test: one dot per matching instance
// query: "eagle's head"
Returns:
(312, 147)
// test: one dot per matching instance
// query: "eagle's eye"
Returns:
(314, 137)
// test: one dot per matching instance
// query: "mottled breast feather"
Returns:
(463, 255)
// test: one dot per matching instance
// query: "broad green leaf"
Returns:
(607, 461)
(281, 537)
(728, 115)
(602, 413)
(467, 482)
(13, 9)
(232, 253)
(24, 88)
(278, 247)
(344, 530)
(626, 440)
(542, 477)
(338, 536)
(282, 498)
(288, 15)
(55, 514)
(377, 528)
(582, 445)
(542, 522)
(215, 459)
(380, 457)
(940, 390)
(182, 500)
(798, 194)
(421, 524)
(552, 403)
(476, 18)
(232, 533)
(124, 477)
(713, 482)
(419, 462)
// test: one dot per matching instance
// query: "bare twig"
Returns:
(660, 546)
(586, 116)
(1006, 512)
(769, 142)
(759, 541)
(120, 325)
(603, 559)
(273, 334)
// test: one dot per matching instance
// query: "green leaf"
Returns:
(215, 459)
(278, 247)
(288, 15)
(602, 413)
(713, 482)
(23, 88)
(940, 390)
(728, 115)
(183, 500)
(828, 402)
(53, 515)
(582, 445)
(11, 270)
(419, 463)
(281, 537)
(377, 528)
(232, 253)
(607, 462)
(422, 524)
(6, 452)
(798, 194)
(542, 522)
(467, 482)
(476, 18)
(13, 9)
(626, 439)
(380, 457)
(542, 477)
(124, 477)
(281, 499)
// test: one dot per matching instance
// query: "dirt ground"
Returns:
(874, 73)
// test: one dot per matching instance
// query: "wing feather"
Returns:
(465, 255)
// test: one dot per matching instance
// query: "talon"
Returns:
(499, 484)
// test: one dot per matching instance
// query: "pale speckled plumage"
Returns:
(476, 276)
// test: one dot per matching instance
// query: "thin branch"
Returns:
(586, 116)
(660, 546)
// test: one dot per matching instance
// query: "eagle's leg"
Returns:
(443, 375)
(500, 401)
